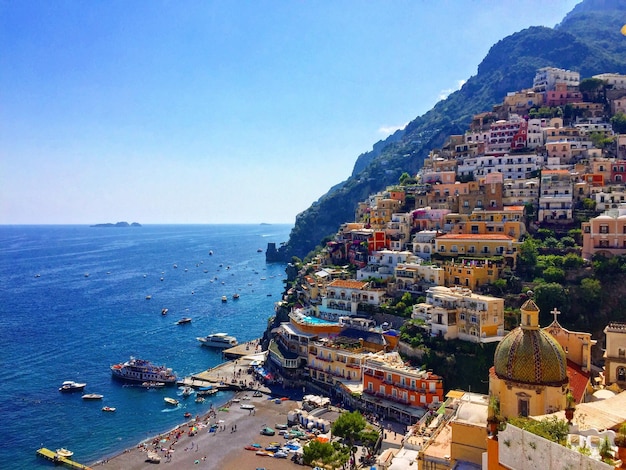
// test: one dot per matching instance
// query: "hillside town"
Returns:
(552, 156)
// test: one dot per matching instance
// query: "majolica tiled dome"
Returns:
(530, 355)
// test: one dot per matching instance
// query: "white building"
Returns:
(547, 78)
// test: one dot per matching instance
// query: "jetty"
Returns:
(232, 374)
(52, 456)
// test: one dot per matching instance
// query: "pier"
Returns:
(232, 374)
(59, 460)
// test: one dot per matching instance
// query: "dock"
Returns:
(241, 350)
(58, 460)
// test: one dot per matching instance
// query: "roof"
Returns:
(578, 380)
(348, 284)
(531, 356)
(600, 415)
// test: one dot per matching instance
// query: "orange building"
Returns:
(397, 390)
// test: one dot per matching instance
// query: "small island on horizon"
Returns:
(118, 224)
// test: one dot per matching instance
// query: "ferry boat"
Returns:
(218, 340)
(140, 370)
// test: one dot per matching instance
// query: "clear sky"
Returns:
(220, 111)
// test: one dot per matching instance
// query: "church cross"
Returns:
(556, 313)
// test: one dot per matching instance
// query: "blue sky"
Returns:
(220, 111)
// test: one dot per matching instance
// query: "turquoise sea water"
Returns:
(73, 302)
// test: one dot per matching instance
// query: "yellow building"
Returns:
(459, 313)
(470, 274)
(615, 355)
(477, 245)
(529, 376)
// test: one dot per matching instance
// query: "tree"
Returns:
(554, 274)
(404, 177)
(348, 426)
(549, 296)
(618, 121)
(329, 454)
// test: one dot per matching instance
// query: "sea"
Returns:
(76, 299)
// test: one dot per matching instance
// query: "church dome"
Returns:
(529, 354)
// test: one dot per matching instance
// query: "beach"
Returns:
(195, 445)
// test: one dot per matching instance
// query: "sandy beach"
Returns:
(194, 445)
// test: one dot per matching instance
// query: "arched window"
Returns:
(621, 374)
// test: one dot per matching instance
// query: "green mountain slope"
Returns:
(588, 40)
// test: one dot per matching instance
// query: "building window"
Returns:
(522, 407)
(604, 229)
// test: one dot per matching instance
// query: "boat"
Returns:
(199, 399)
(187, 391)
(140, 370)
(110, 409)
(171, 401)
(71, 386)
(235, 296)
(148, 297)
(182, 321)
(92, 396)
(66, 453)
(224, 298)
(152, 385)
(164, 311)
(259, 250)
(153, 457)
(187, 414)
(218, 340)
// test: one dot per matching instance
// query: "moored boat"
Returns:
(153, 384)
(92, 396)
(62, 452)
(70, 386)
(218, 340)
(140, 370)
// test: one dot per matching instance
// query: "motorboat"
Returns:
(224, 298)
(187, 391)
(148, 297)
(183, 321)
(235, 296)
(171, 401)
(164, 311)
(92, 396)
(199, 399)
(153, 385)
(71, 386)
(140, 370)
(110, 409)
(219, 340)
(63, 452)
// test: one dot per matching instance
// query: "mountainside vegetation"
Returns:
(588, 40)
